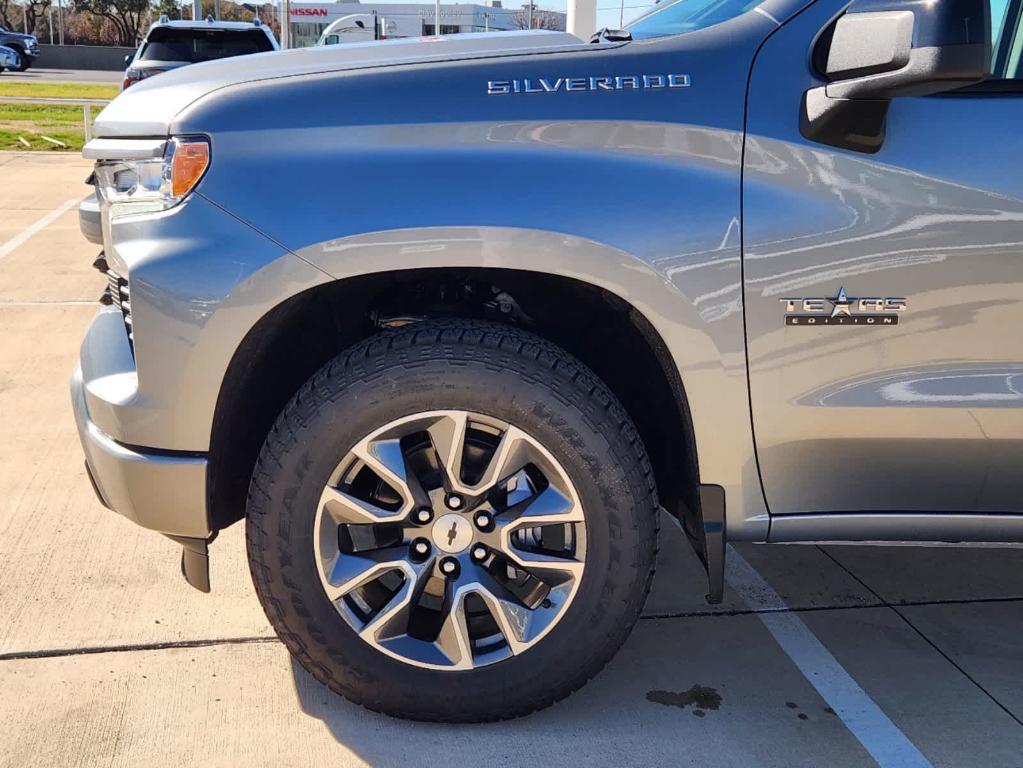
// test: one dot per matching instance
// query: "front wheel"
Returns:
(455, 521)
(22, 64)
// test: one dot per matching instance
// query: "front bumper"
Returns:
(90, 219)
(161, 490)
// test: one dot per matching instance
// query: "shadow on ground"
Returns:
(657, 703)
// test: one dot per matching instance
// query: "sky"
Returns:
(611, 13)
(616, 13)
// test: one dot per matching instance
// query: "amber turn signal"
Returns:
(191, 158)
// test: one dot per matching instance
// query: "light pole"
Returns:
(582, 18)
(60, 22)
(436, 17)
(529, 18)
(285, 24)
(196, 10)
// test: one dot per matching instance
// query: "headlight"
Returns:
(149, 185)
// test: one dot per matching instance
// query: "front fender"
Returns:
(704, 339)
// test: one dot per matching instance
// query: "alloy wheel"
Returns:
(450, 540)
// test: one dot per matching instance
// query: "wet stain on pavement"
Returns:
(699, 697)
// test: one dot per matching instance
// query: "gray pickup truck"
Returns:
(452, 323)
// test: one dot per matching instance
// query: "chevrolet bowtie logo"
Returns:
(452, 533)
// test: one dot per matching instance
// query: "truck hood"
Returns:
(17, 37)
(148, 108)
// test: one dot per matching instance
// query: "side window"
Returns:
(1006, 40)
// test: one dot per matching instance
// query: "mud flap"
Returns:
(195, 561)
(705, 529)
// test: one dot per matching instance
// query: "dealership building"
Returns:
(308, 20)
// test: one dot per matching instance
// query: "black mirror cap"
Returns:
(886, 48)
(882, 49)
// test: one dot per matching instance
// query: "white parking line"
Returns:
(32, 229)
(889, 746)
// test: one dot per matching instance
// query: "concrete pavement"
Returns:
(108, 658)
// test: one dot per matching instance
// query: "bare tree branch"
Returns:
(542, 19)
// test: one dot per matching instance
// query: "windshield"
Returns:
(194, 45)
(675, 17)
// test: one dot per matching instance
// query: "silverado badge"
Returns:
(604, 83)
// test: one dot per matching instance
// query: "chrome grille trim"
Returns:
(117, 290)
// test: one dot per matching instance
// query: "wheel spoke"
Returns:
(350, 571)
(512, 618)
(387, 460)
(392, 616)
(348, 510)
(549, 507)
(512, 452)
(550, 568)
(448, 435)
(453, 638)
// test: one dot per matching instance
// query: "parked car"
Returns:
(25, 46)
(453, 323)
(9, 58)
(172, 44)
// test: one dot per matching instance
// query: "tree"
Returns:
(169, 8)
(127, 16)
(87, 29)
(542, 19)
(22, 16)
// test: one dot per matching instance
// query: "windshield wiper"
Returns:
(608, 35)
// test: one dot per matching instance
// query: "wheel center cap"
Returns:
(452, 533)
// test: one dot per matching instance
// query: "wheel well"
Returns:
(299, 336)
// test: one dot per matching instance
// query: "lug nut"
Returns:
(424, 515)
(484, 521)
(420, 549)
(449, 566)
(454, 501)
(479, 553)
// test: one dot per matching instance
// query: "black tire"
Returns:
(491, 369)
(23, 61)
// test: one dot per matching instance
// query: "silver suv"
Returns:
(452, 323)
(172, 44)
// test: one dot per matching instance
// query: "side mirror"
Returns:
(881, 49)
(128, 57)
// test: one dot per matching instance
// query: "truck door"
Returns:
(883, 289)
